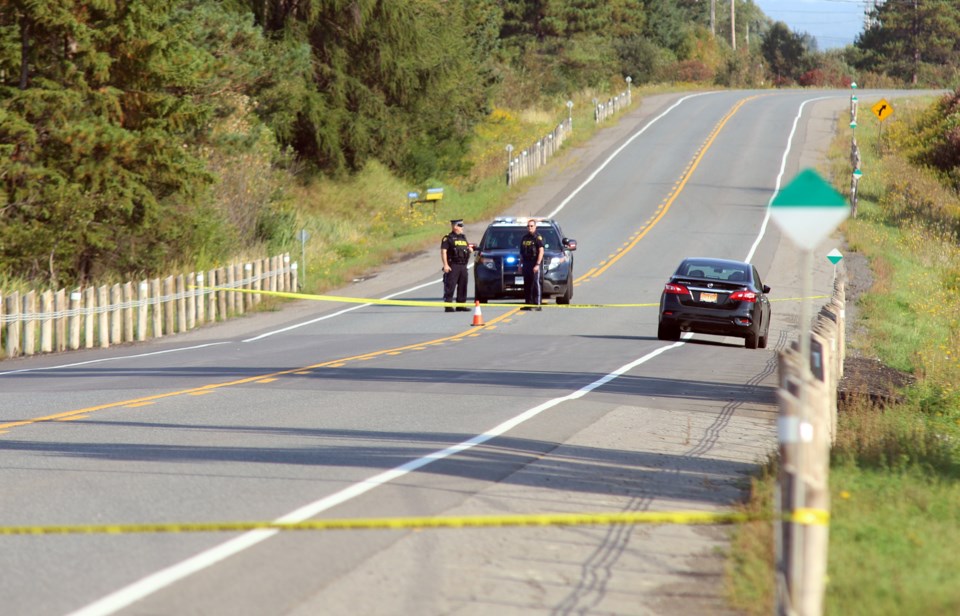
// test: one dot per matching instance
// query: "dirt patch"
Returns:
(870, 378)
(865, 376)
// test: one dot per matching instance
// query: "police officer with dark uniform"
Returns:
(531, 262)
(455, 254)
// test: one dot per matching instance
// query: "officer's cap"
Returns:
(457, 222)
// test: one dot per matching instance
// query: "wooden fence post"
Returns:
(60, 320)
(259, 271)
(181, 304)
(156, 302)
(89, 310)
(13, 328)
(246, 299)
(212, 296)
(76, 305)
(169, 306)
(223, 297)
(200, 300)
(143, 305)
(3, 320)
(191, 301)
(231, 294)
(116, 327)
(28, 316)
(103, 320)
(127, 295)
(46, 323)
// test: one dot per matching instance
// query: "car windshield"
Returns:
(715, 271)
(507, 237)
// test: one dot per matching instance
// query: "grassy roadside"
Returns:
(894, 471)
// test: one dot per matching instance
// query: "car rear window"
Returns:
(714, 271)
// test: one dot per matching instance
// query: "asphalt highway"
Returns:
(324, 410)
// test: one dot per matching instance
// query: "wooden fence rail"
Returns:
(88, 317)
(528, 161)
(538, 154)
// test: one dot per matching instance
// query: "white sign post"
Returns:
(806, 210)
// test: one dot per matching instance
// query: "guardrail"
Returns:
(53, 321)
(807, 427)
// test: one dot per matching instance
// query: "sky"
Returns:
(834, 23)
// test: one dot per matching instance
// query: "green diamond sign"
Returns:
(808, 209)
(834, 256)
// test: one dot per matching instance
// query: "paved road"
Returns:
(338, 411)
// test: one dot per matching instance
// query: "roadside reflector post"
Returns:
(807, 210)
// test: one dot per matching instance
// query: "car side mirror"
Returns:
(570, 244)
(766, 289)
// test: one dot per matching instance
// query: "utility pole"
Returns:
(713, 18)
(733, 24)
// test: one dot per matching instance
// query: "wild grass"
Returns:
(894, 470)
(892, 538)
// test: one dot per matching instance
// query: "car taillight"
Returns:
(675, 289)
(744, 296)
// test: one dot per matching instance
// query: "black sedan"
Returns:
(715, 296)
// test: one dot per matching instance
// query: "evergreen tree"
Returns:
(907, 38)
(785, 52)
(394, 80)
(102, 126)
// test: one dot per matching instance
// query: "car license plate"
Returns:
(708, 297)
(518, 280)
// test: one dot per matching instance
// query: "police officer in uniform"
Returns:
(531, 262)
(455, 254)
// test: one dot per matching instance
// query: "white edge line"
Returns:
(105, 359)
(165, 577)
(783, 167)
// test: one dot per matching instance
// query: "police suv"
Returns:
(496, 269)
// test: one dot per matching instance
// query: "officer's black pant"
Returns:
(455, 279)
(531, 285)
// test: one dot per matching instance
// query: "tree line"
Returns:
(123, 123)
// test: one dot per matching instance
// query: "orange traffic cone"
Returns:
(477, 315)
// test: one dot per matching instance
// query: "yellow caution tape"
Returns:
(411, 302)
(439, 304)
(558, 519)
(809, 517)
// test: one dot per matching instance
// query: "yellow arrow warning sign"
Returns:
(882, 109)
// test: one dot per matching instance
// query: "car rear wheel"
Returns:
(668, 332)
(751, 341)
